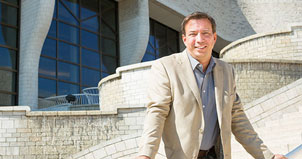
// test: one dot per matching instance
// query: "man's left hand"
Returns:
(278, 156)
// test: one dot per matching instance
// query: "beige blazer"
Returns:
(174, 111)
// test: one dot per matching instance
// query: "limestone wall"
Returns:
(285, 45)
(256, 78)
(126, 88)
(40, 135)
(265, 62)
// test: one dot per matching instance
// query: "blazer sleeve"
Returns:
(244, 132)
(158, 107)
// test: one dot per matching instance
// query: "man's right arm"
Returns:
(158, 107)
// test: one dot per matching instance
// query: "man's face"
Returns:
(199, 39)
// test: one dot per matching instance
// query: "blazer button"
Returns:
(201, 130)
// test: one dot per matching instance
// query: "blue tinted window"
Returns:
(105, 74)
(108, 12)
(47, 87)
(91, 24)
(7, 99)
(47, 67)
(90, 77)
(90, 58)
(68, 52)
(107, 31)
(90, 40)
(49, 47)
(53, 29)
(108, 46)
(89, 8)
(8, 14)
(67, 88)
(68, 72)
(73, 6)
(68, 33)
(108, 64)
(66, 15)
(7, 58)
(8, 82)
(8, 36)
(148, 57)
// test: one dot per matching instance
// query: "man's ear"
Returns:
(184, 38)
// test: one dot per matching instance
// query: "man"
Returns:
(193, 104)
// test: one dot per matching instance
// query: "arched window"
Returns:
(9, 51)
(163, 41)
(81, 46)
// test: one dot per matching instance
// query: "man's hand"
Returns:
(278, 156)
(142, 157)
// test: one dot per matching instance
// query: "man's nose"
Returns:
(199, 37)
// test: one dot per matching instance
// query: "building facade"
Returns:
(53, 48)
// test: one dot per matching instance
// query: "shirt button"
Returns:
(203, 106)
(204, 91)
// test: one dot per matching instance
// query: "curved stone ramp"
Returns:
(277, 118)
(124, 147)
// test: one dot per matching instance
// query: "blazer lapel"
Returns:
(218, 85)
(187, 74)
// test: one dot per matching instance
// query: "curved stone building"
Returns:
(54, 48)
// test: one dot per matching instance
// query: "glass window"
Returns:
(81, 45)
(107, 31)
(68, 14)
(67, 88)
(91, 24)
(90, 58)
(108, 47)
(68, 33)
(8, 36)
(49, 48)
(8, 58)
(8, 14)
(109, 64)
(163, 41)
(47, 67)
(89, 8)
(15, 2)
(68, 72)
(9, 53)
(90, 77)
(90, 40)
(68, 52)
(7, 99)
(47, 87)
(8, 81)
(108, 12)
(72, 6)
(53, 29)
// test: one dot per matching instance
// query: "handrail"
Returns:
(295, 153)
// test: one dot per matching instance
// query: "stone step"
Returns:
(293, 115)
(294, 119)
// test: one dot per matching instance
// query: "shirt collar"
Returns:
(195, 63)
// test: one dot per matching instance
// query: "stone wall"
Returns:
(126, 88)
(265, 62)
(40, 135)
(285, 45)
(256, 78)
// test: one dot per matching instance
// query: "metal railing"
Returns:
(92, 95)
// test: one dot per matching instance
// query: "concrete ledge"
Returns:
(290, 29)
(119, 71)
(251, 60)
